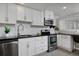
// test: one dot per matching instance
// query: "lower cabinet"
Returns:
(32, 46)
(23, 49)
(65, 42)
(41, 44)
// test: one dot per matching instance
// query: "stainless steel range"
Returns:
(52, 42)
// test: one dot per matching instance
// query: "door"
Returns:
(41, 19)
(45, 43)
(12, 13)
(51, 15)
(32, 49)
(23, 47)
(37, 18)
(47, 15)
(28, 14)
(20, 12)
(59, 41)
(39, 44)
(67, 42)
(2, 12)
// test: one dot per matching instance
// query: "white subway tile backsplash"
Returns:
(12, 31)
(28, 29)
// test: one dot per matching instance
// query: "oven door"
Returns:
(53, 39)
(52, 43)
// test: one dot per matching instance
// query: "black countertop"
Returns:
(29, 36)
(7, 40)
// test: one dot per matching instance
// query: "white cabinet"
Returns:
(12, 13)
(41, 44)
(49, 14)
(32, 46)
(2, 12)
(24, 13)
(23, 47)
(37, 18)
(62, 25)
(8, 13)
(59, 41)
(65, 42)
(20, 13)
(26, 46)
(28, 14)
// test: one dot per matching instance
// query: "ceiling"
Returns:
(57, 8)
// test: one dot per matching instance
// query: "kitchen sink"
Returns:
(25, 35)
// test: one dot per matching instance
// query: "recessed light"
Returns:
(64, 7)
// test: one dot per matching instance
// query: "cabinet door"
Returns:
(2, 12)
(23, 47)
(38, 45)
(62, 25)
(37, 18)
(41, 19)
(32, 50)
(47, 15)
(51, 15)
(12, 13)
(41, 44)
(34, 17)
(45, 43)
(28, 14)
(59, 41)
(67, 42)
(20, 12)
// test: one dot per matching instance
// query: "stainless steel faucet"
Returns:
(18, 30)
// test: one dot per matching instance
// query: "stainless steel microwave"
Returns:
(48, 22)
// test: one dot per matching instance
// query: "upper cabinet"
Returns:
(24, 13)
(2, 12)
(12, 13)
(70, 22)
(28, 14)
(20, 12)
(49, 14)
(8, 13)
(37, 18)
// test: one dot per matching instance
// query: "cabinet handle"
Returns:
(27, 45)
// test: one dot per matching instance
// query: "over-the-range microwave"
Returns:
(48, 22)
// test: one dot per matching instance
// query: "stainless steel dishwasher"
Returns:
(9, 49)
